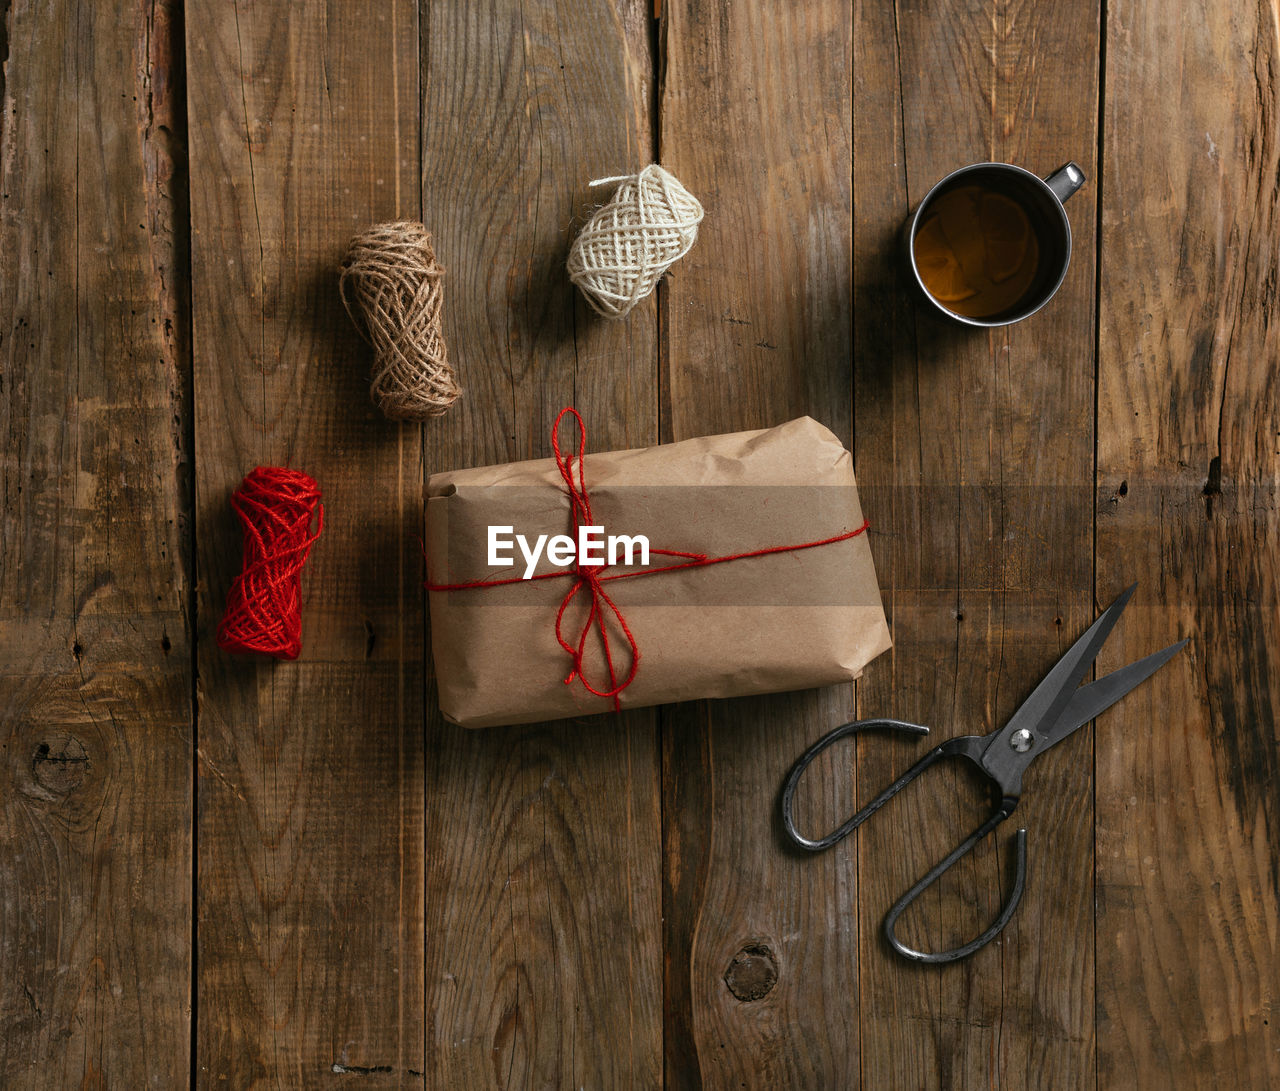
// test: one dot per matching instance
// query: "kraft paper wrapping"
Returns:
(790, 620)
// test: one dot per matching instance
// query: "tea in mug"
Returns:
(976, 251)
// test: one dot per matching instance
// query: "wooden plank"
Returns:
(304, 130)
(542, 842)
(95, 679)
(974, 453)
(1188, 880)
(756, 331)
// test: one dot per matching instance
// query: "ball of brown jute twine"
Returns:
(620, 255)
(391, 276)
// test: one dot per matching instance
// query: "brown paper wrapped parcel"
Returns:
(786, 620)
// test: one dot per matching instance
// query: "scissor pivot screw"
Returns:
(1021, 740)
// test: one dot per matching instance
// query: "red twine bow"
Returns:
(264, 605)
(591, 578)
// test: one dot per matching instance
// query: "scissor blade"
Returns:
(1041, 710)
(1091, 701)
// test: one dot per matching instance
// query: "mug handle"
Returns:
(1065, 181)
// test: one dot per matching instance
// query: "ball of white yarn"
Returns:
(626, 246)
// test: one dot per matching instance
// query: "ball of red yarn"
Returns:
(264, 605)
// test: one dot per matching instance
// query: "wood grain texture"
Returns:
(1188, 465)
(756, 330)
(975, 457)
(304, 130)
(543, 842)
(609, 902)
(95, 682)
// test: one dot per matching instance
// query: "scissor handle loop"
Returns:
(826, 742)
(966, 746)
(1006, 912)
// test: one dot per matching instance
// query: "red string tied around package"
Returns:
(264, 605)
(591, 578)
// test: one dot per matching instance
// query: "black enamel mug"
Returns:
(990, 244)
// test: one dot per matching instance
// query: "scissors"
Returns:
(1054, 711)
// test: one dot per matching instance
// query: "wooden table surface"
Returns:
(234, 873)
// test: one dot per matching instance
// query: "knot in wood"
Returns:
(59, 765)
(752, 972)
